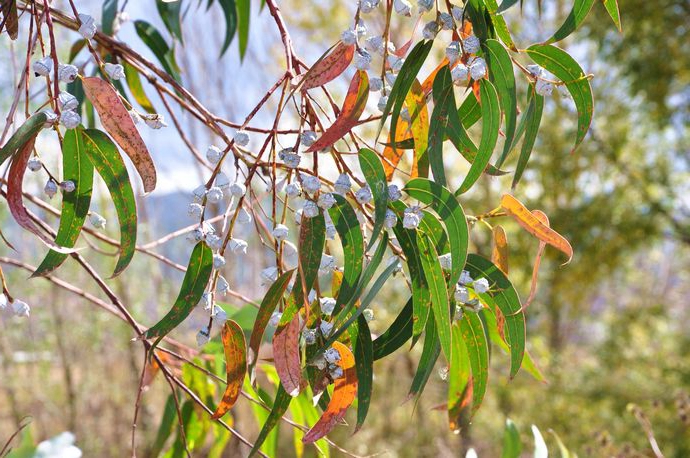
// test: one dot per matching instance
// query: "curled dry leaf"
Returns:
(344, 393)
(353, 107)
(499, 254)
(329, 67)
(235, 349)
(534, 226)
(118, 123)
(541, 216)
(286, 356)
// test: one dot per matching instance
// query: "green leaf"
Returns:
(375, 176)
(77, 168)
(405, 144)
(136, 88)
(499, 23)
(532, 119)
(512, 447)
(108, 16)
(430, 353)
(399, 332)
(280, 406)
(364, 366)
(166, 426)
(403, 83)
(244, 13)
(26, 131)
(346, 224)
(501, 72)
(107, 161)
(491, 122)
(230, 13)
(505, 5)
(304, 413)
(612, 8)
(77, 46)
(170, 14)
(504, 296)
(477, 347)
(193, 285)
(477, 14)
(459, 379)
(444, 103)
(573, 21)
(470, 111)
(452, 215)
(156, 43)
(569, 71)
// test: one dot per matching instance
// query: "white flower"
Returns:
(319, 362)
(326, 200)
(70, 119)
(362, 60)
(478, 68)
(390, 79)
(135, 117)
(43, 66)
(327, 264)
(447, 22)
(461, 294)
(298, 216)
(97, 220)
(308, 137)
(203, 336)
(199, 193)
(343, 184)
(383, 101)
(349, 36)
(68, 186)
(465, 278)
(446, 262)
(222, 286)
(471, 44)
(412, 217)
(114, 71)
(475, 305)
(364, 195)
(331, 231)
(293, 189)
(375, 44)
(403, 7)
(275, 319)
(244, 217)
(87, 29)
(481, 285)
(51, 117)
(241, 138)
(310, 184)
(238, 246)
(214, 195)
(459, 74)
(206, 301)
(326, 328)
(312, 296)
(67, 101)
(50, 188)
(535, 70)
(367, 6)
(238, 189)
(368, 314)
(405, 115)
(154, 121)
(430, 30)
(335, 372)
(544, 88)
(391, 219)
(310, 209)
(453, 51)
(34, 164)
(280, 232)
(309, 336)
(218, 261)
(332, 355)
(214, 242)
(394, 193)
(269, 275)
(60, 446)
(196, 235)
(425, 5)
(457, 13)
(3, 302)
(222, 180)
(67, 73)
(219, 314)
(395, 63)
(375, 84)
(290, 254)
(21, 309)
(290, 158)
(459, 312)
(213, 154)
(327, 305)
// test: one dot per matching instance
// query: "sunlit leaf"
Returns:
(136, 88)
(477, 347)
(499, 253)
(460, 381)
(267, 440)
(244, 14)
(286, 354)
(23, 134)
(540, 449)
(531, 121)
(235, 349)
(399, 332)
(364, 365)
(541, 216)
(444, 103)
(329, 66)
(512, 446)
(612, 8)
(165, 429)
(575, 18)
(501, 72)
(158, 46)
(499, 23)
(430, 353)
(373, 172)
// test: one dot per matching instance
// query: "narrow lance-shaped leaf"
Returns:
(286, 355)
(558, 62)
(430, 352)
(244, 14)
(399, 332)
(156, 43)
(329, 66)
(375, 176)
(573, 21)
(235, 349)
(364, 365)
(280, 406)
(230, 13)
(344, 392)
(477, 346)
(109, 12)
(170, 14)
(444, 103)
(419, 115)
(346, 224)
(10, 19)
(512, 446)
(76, 167)
(541, 216)
(193, 285)
(460, 381)
(499, 252)
(491, 122)
(499, 23)
(534, 226)
(612, 8)
(118, 123)
(136, 88)
(108, 163)
(23, 135)
(531, 121)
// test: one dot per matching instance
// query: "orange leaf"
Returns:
(329, 67)
(429, 81)
(534, 226)
(455, 412)
(499, 254)
(391, 157)
(541, 216)
(286, 357)
(401, 51)
(344, 393)
(235, 365)
(119, 124)
(353, 107)
(15, 200)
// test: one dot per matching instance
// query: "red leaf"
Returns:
(353, 107)
(329, 67)
(286, 357)
(118, 123)
(14, 196)
(344, 393)
(236, 365)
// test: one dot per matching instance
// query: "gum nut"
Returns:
(241, 138)
(213, 154)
